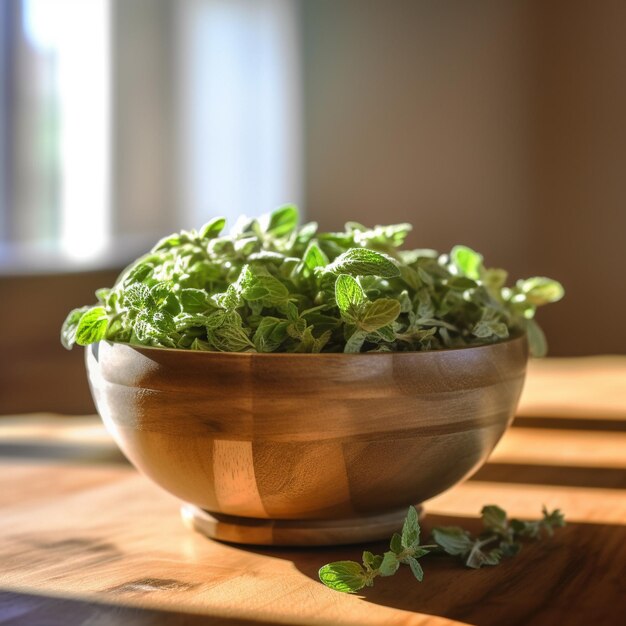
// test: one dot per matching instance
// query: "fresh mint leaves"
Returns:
(273, 286)
(350, 576)
(501, 538)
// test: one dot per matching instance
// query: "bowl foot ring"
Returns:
(267, 532)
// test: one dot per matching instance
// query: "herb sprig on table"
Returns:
(501, 537)
(273, 286)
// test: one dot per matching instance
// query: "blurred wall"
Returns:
(419, 111)
(578, 219)
(36, 372)
(499, 124)
(495, 124)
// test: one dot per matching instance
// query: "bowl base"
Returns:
(268, 532)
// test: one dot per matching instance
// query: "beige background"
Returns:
(499, 124)
(496, 124)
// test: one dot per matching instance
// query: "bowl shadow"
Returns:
(572, 578)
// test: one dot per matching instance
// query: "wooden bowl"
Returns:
(305, 449)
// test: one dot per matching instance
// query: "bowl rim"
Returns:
(516, 337)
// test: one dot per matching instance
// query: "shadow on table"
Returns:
(572, 578)
(66, 452)
(24, 609)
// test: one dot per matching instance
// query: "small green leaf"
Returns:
(411, 529)
(468, 262)
(146, 330)
(420, 552)
(548, 523)
(364, 262)
(477, 557)
(213, 228)
(282, 221)
(92, 326)
(171, 241)
(348, 295)
(389, 565)
(494, 519)
(386, 333)
(396, 543)
(536, 339)
(461, 283)
(103, 295)
(540, 290)
(270, 333)
(215, 320)
(163, 298)
(416, 568)
(230, 336)
(314, 257)
(163, 321)
(355, 342)
(138, 297)
(490, 328)
(406, 306)
(246, 245)
(452, 539)
(232, 297)
(345, 576)
(552, 519)
(379, 313)
(494, 278)
(306, 232)
(221, 246)
(265, 288)
(189, 320)
(68, 330)
(372, 561)
(368, 559)
(194, 300)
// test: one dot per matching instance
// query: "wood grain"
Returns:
(90, 541)
(32, 355)
(560, 388)
(306, 437)
(308, 533)
(76, 547)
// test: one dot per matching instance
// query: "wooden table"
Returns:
(87, 540)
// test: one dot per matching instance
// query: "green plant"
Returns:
(272, 286)
(500, 538)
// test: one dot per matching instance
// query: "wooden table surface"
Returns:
(87, 540)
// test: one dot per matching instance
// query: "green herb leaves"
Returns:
(541, 290)
(350, 576)
(281, 222)
(92, 326)
(410, 530)
(467, 262)
(501, 538)
(363, 262)
(349, 296)
(346, 576)
(458, 542)
(272, 286)
(68, 331)
(379, 313)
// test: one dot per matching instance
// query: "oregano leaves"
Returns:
(501, 538)
(273, 286)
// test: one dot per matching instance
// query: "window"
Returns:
(126, 120)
